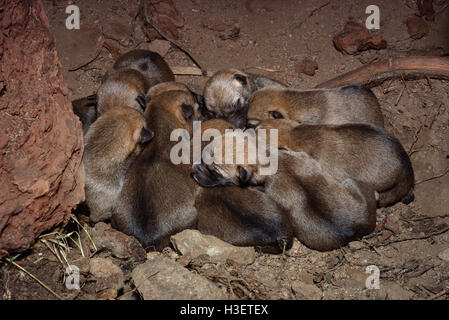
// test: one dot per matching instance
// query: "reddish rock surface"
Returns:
(41, 139)
(355, 37)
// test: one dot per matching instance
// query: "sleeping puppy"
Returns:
(172, 86)
(124, 88)
(362, 152)
(157, 199)
(111, 144)
(302, 199)
(242, 217)
(349, 104)
(150, 64)
(227, 93)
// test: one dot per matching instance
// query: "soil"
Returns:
(276, 35)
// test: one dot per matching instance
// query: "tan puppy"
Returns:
(243, 217)
(227, 93)
(171, 86)
(350, 104)
(302, 198)
(150, 64)
(157, 199)
(124, 88)
(362, 152)
(111, 144)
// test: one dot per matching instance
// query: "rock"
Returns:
(163, 279)
(416, 27)
(356, 279)
(356, 245)
(306, 291)
(42, 175)
(194, 244)
(355, 37)
(386, 234)
(306, 66)
(120, 32)
(159, 46)
(392, 225)
(444, 255)
(392, 291)
(109, 277)
(120, 245)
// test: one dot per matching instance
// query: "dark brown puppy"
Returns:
(350, 104)
(150, 64)
(362, 152)
(111, 144)
(157, 199)
(227, 93)
(320, 211)
(124, 88)
(86, 110)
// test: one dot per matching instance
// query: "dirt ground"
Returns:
(408, 244)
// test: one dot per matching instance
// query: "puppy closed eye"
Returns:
(276, 115)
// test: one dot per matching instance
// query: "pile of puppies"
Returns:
(336, 163)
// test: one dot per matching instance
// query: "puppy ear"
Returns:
(241, 78)
(244, 176)
(187, 111)
(145, 136)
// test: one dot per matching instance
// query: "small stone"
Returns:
(163, 279)
(386, 234)
(444, 255)
(159, 46)
(307, 66)
(356, 245)
(306, 291)
(416, 27)
(107, 274)
(194, 244)
(121, 245)
(392, 225)
(355, 38)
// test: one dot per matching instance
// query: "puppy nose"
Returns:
(145, 136)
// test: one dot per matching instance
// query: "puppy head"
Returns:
(267, 104)
(226, 95)
(179, 103)
(240, 168)
(124, 88)
(117, 136)
(178, 86)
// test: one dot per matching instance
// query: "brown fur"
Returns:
(123, 88)
(157, 199)
(301, 199)
(150, 64)
(111, 144)
(227, 93)
(350, 104)
(361, 152)
(243, 217)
